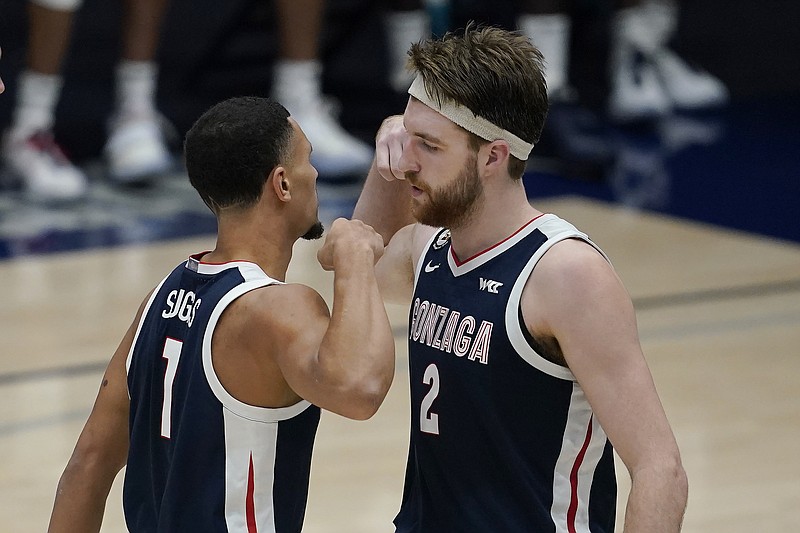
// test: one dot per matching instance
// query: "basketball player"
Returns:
(525, 364)
(213, 397)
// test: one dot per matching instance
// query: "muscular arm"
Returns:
(384, 205)
(344, 363)
(580, 302)
(385, 202)
(100, 453)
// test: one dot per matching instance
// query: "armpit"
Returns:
(545, 346)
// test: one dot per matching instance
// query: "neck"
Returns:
(500, 214)
(247, 238)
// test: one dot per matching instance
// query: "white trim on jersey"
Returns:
(584, 440)
(477, 260)
(147, 306)
(581, 450)
(251, 432)
(249, 270)
(250, 412)
(250, 457)
(556, 230)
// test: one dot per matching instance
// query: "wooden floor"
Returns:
(719, 317)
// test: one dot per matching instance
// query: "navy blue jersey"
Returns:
(199, 459)
(502, 439)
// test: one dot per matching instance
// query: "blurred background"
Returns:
(712, 163)
(691, 185)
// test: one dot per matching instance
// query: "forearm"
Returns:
(384, 205)
(657, 501)
(357, 351)
(80, 501)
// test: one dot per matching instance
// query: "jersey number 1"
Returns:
(172, 353)
(428, 421)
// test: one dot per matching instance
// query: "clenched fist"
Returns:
(347, 242)
(389, 144)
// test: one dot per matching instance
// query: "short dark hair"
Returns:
(497, 74)
(232, 148)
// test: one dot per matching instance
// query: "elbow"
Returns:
(363, 409)
(366, 397)
(681, 479)
(356, 390)
(88, 467)
(673, 470)
(667, 473)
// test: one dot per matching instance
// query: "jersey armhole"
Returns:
(244, 410)
(517, 332)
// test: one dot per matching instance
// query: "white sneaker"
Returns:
(636, 93)
(335, 153)
(45, 172)
(136, 150)
(688, 88)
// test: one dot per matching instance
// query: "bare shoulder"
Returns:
(395, 269)
(420, 236)
(410, 241)
(280, 308)
(573, 263)
(572, 279)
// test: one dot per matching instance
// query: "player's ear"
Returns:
(492, 156)
(280, 185)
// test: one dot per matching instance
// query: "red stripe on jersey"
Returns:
(573, 480)
(492, 247)
(250, 506)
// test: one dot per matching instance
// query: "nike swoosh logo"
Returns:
(430, 268)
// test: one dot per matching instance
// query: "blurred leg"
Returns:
(406, 22)
(29, 148)
(48, 38)
(136, 150)
(299, 28)
(141, 31)
(298, 86)
(547, 24)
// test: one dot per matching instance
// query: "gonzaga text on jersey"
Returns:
(446, 330)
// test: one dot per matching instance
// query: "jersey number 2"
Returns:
(428, 421)
(172, 353)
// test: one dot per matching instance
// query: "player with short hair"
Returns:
(213, 397)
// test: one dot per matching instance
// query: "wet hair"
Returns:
(497, 74)
(233, 147)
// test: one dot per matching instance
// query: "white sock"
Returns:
(297, 84)
(550, 34)
(136, 83)
(37, 97)
(402, 29)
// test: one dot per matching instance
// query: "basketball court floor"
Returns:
(699, 219)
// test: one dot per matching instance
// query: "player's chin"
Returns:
(314, 232)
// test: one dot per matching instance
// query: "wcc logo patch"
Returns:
(490, 285)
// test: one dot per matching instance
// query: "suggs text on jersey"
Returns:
(183, 304)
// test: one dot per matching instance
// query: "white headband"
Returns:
(471, 122)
